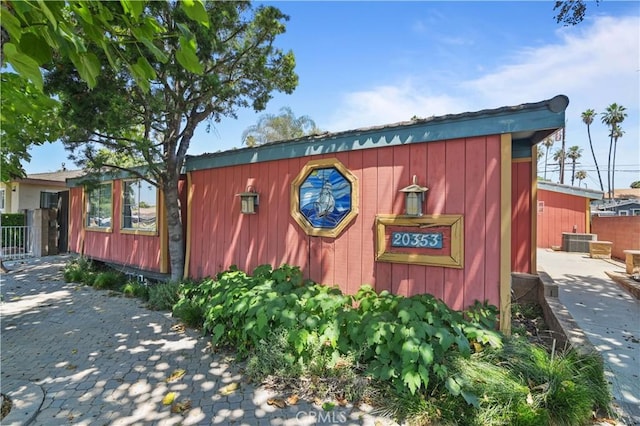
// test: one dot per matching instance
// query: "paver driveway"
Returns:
(103, 359)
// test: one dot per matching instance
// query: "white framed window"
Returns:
(623, 212)
(635, 212)
(139, 206)
(99, 206)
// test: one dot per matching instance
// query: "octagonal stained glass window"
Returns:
(324, 197)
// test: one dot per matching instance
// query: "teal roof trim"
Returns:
(528, 124)
(105, 177)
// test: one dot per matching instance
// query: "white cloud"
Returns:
(594, 64)
(390, 104)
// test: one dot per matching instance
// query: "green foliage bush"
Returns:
(108, 280)
(163, 296)
(400, 339)
(136, 289)
(428, 362)
(14, 237)
(12, 219)
(80, 270)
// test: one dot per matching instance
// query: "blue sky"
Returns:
(373, 63)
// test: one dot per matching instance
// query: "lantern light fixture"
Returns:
(248, 201)
(414, 197)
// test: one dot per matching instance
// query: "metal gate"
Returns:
(16, 242)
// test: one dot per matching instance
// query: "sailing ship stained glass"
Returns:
(324, 197)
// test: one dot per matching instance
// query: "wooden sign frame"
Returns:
(453, 259)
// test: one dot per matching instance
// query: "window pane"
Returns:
(99, 206)
(139, 209)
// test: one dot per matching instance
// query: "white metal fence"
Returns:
(16, 242)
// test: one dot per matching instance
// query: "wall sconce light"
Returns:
(414, 197)
(248, 201)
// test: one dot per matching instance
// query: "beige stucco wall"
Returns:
(21, 196)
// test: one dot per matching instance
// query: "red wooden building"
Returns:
(562, 208)
(332, 204)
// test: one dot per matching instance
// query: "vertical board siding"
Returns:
(139, 251)
(456, 165)
(435, 205)
(492, 221)
(401, 281)
(385, 195)
(75, 220)
(559, 214)
(463, 177)
(521, 217)
(475, 206)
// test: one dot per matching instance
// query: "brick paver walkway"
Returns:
(103, 359)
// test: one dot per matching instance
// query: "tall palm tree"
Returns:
(559, 157)
(285, 125)
(574, 153)
(617, 133)
(612, 117)
(548, 143)
(587, 118)
(580, 175)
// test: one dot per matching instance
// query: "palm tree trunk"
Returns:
(594, 159)
(613, 166)
(546, 160)
(562, 161)
(573, 171)
(609, 171)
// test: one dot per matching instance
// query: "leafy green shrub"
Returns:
(190, 306)
(400, 339)
(80, 270)
(12, 236)
(429, 363)
(320, 376)
(109, 279)
(408, 338)
(136, 289)
(522, 384)
(163, 296)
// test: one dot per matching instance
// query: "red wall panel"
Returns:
(557, 213)
(462, 176)
(139, 251)
(521, 226)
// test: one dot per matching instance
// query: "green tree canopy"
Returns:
(240, 67)
(284, 126)
(36, 31)
(571, 12)
(28, 118)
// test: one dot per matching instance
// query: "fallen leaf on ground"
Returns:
(229, 389)
(169, 398)
(176, 375)
(293, 399)
(278, 402)
(181, 407)
(180, 328)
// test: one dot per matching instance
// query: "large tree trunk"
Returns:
(174, 226)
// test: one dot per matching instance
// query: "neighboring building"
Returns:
(335, 205)
(38, 190)
(626, 202)
(563, 208)
(620, 208)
